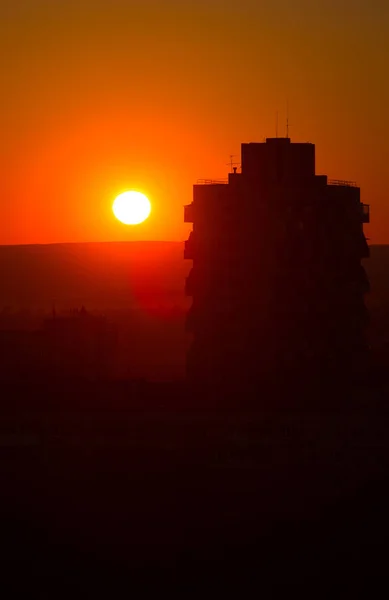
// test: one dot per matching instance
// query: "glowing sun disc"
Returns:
(131, 208)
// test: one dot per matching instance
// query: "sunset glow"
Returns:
(90, 111)
(131, 208)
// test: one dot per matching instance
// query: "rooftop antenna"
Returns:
(287, 119)
(232, 163)
(277, 124)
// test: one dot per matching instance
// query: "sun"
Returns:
(131, 208)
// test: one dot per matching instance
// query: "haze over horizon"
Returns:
(104, 96)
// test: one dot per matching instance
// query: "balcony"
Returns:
(190, 321)
(188, 213)
(364, 247)
(212, 181)
(189, 247)
(342, 182)
(189, 284)
(365, 210)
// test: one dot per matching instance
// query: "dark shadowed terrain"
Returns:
(158, 485)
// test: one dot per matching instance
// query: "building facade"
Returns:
(277, 281)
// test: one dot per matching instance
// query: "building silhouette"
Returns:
(80, 344)
(77, 345)
(277, 281)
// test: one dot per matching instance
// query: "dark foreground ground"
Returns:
(155, 489)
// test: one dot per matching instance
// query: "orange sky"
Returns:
(100, 96)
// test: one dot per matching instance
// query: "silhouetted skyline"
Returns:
(112, 462)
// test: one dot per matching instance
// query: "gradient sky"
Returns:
(100, 96)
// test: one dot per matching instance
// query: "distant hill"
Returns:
(115, 275)
(99, 275)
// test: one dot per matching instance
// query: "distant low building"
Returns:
(23, 355)
(78, 345)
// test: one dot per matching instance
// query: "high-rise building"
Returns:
(277, 280)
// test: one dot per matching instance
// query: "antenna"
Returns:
(232, 163)
(287, 119)
(277, 124)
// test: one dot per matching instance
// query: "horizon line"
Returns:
(27, 245)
